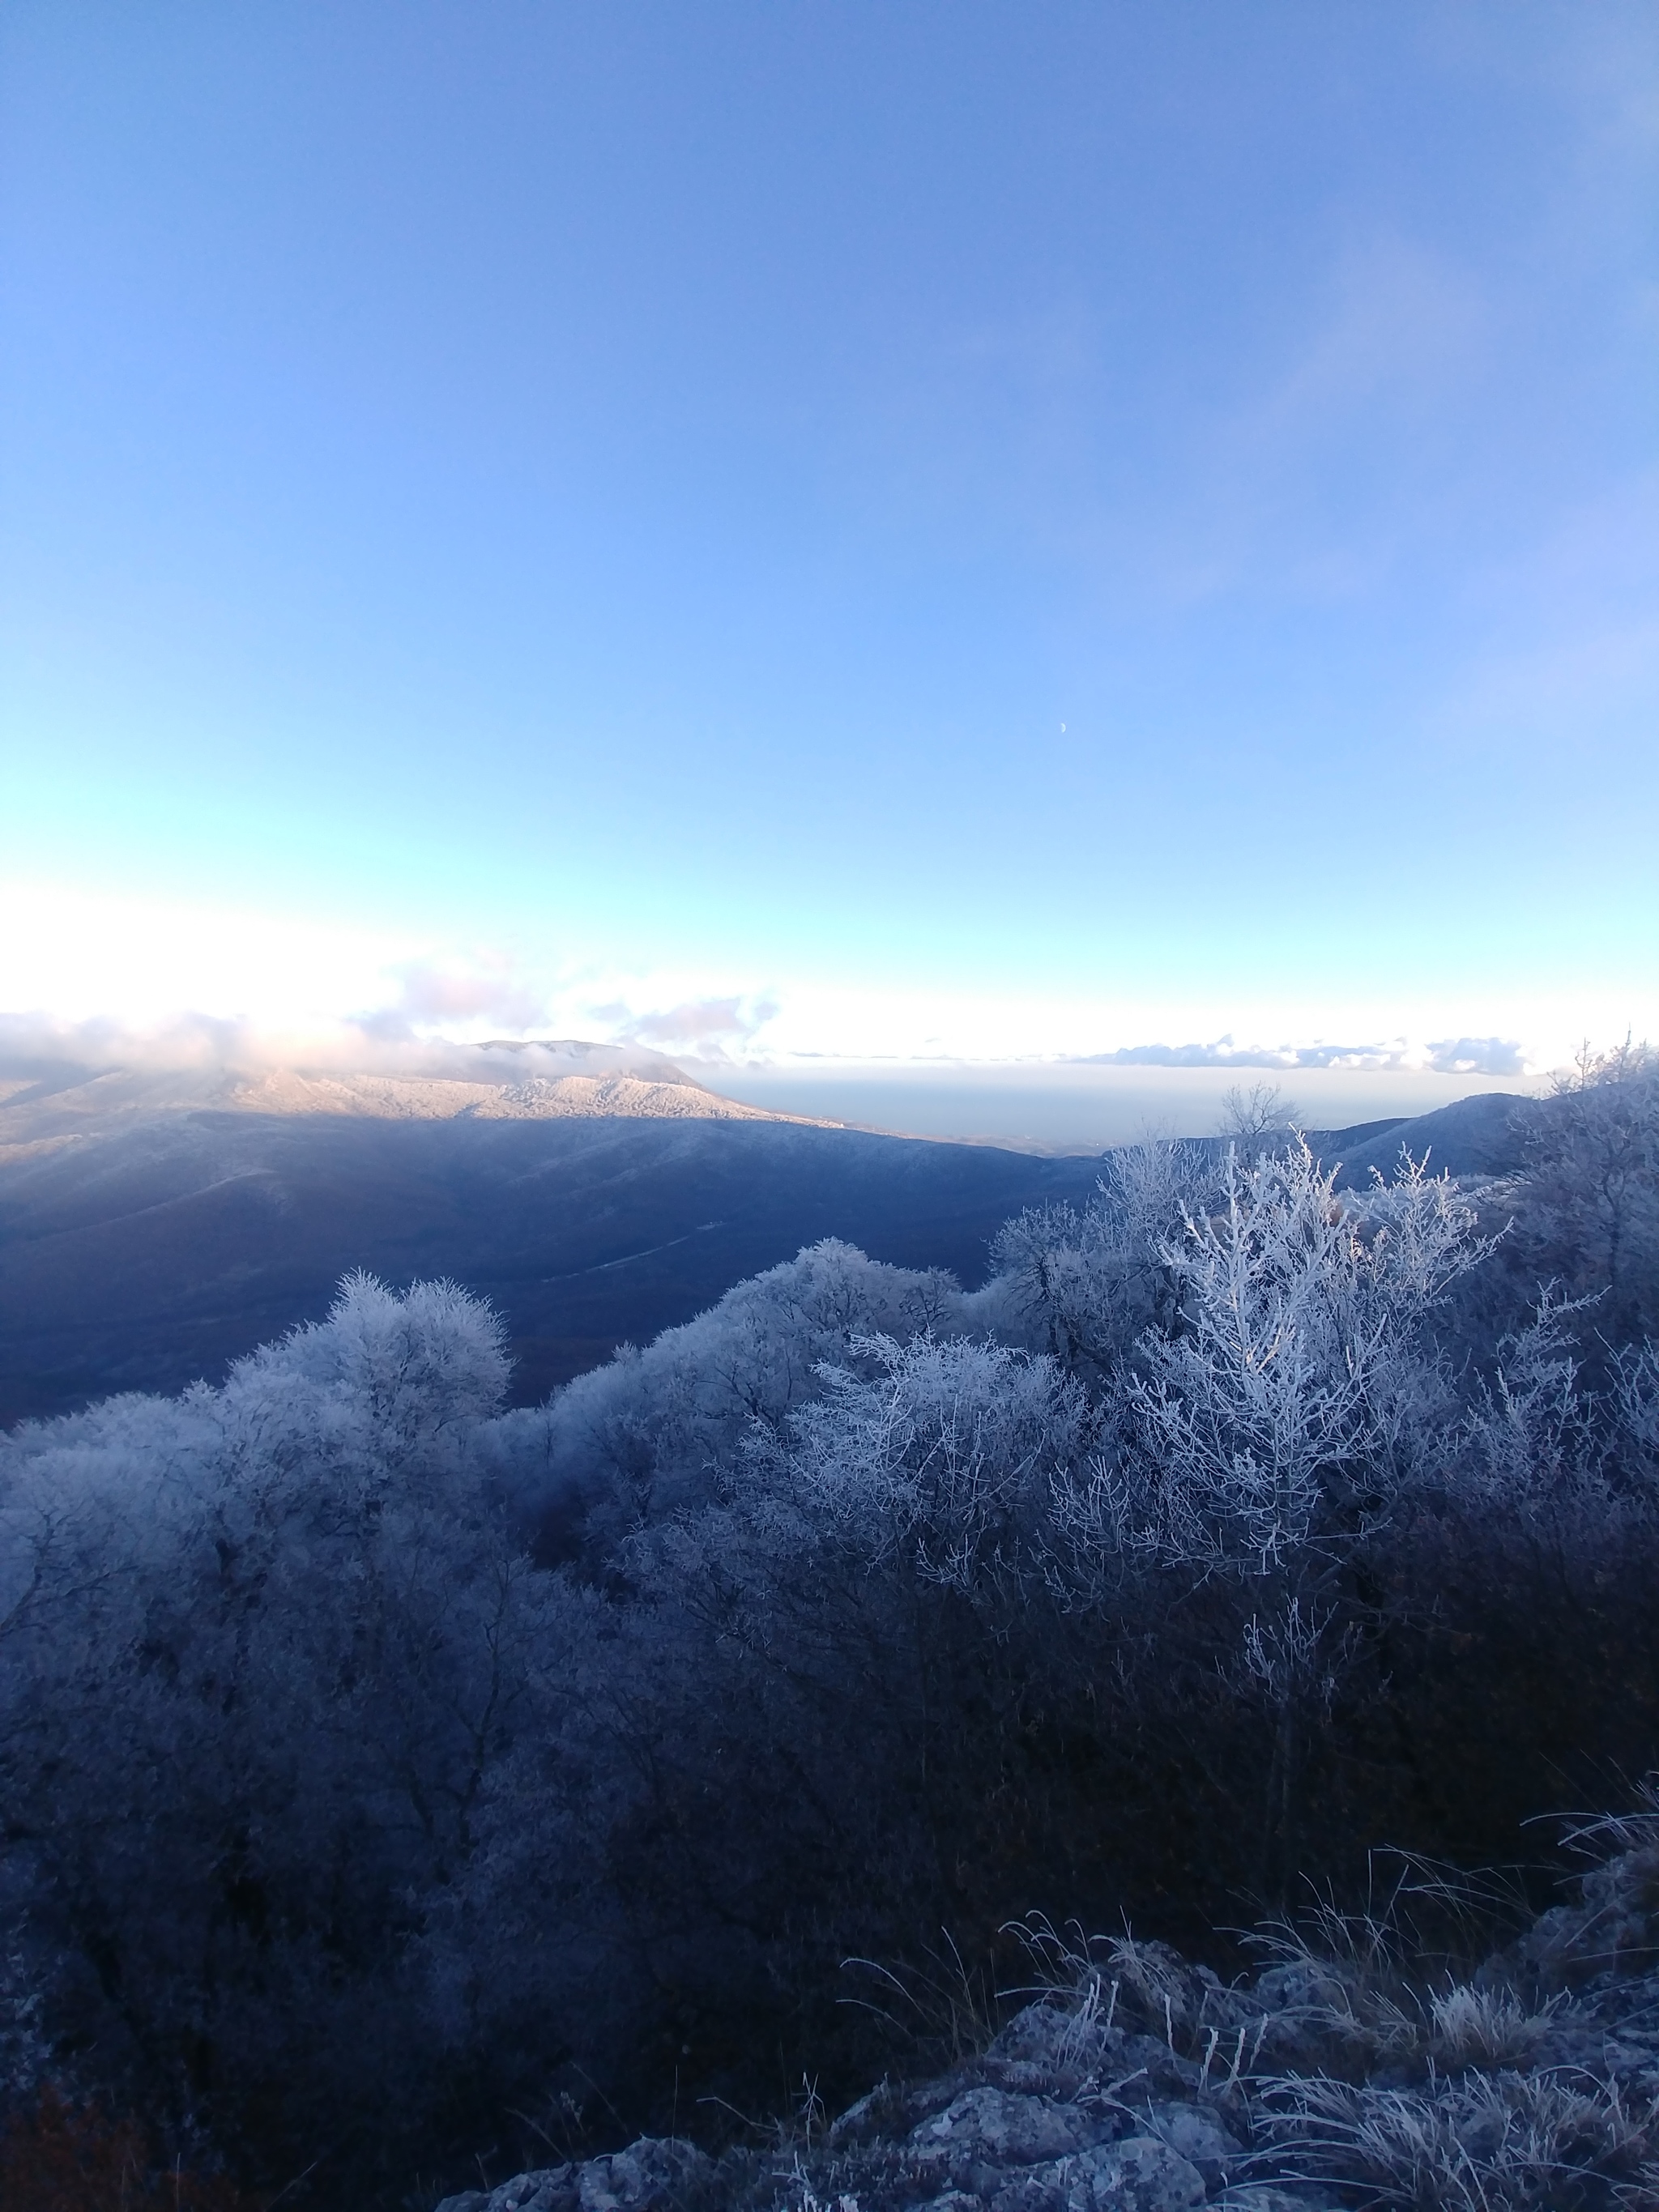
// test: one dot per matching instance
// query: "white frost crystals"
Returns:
(945, 1455)
(1281, 1405)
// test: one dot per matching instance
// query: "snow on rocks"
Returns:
(987, 2129)
(658, 2173)
(1142, 2174)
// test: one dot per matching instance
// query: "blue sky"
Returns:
(857, 529)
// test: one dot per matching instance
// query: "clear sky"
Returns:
(859, 528)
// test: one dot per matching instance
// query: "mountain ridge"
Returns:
(564, 1078)
(143, 1246)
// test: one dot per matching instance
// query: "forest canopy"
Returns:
(389, 1775)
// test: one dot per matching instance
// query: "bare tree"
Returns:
(1261, 1119)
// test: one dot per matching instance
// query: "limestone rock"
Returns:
(1269, 2197)
(657, 2171)
(1142, 2174)
(989, 2127)
(1198, 2136)
(546, 2189)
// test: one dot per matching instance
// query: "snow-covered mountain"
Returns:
(558, 1080)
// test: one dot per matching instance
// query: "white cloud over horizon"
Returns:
(1465, 1056)
(98, 980)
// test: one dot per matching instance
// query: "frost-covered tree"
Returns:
(945, 1457)
(273, 1638)
(1084, 1286)
(649, 1433)
(376, 1766)
(847, 1635)
(1259, 1119)
(1301, 1392)
(1590, 1195)
(1275, 1434)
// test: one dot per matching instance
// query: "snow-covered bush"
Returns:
(1299, 1395)
(1084, 1286)
(650, 1432)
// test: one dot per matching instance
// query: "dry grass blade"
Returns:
(1501, 2143)
(1107, 1979)
(942, 2007)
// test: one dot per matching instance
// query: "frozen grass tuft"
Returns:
(1122, 1981)
(1475, 2026)
(1411, 1980)
(1495, 2142)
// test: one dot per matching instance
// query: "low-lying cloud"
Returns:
(710, 1027)
(458, 1019)
(431, 993)
(1495, 1056)
(35, 1047)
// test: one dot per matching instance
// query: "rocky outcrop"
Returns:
(655, 2174)
(1140, 2083)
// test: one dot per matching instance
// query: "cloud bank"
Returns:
(409, 1038)
(101, 981)
(35, 1047)
(1465, 1056)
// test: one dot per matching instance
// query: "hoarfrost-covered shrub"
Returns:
(650, 1432)
(1299, 1394)
(265, 1642)
(945, 1454)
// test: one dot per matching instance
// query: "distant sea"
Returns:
(1064, 1107)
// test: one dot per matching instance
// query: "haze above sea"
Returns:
(1078, 1108)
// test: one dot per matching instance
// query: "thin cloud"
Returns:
(1403, 328)
(706, 1026)
(1496, 1056)
(1375, 391)
(36, 1048)
(432, 992)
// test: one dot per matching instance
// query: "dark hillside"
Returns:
(1480, 1136)
(143, 1259)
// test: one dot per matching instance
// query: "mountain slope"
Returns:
(154, 1227)
(557, 1081)
(145, 1257)
(1485, 1135)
